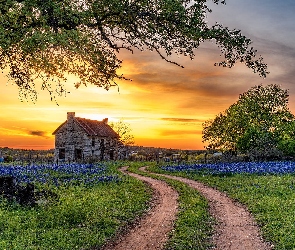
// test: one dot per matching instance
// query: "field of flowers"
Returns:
(275, 167)
(52, 174)
(93, 202)
(266, 188)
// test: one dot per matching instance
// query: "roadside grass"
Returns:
(193, 228)
(270, 198)
(83, 217)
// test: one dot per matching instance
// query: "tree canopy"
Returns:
(259, 124)
(50, 39)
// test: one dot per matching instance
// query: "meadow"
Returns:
(193, 227)
(266, 188)
(93, 202)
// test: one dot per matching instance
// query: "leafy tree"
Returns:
(287, 142)
(50, 39)
(124, 131)
(259, 124)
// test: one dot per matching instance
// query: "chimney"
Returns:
(70, 116)
(70, 120)
(105, 120)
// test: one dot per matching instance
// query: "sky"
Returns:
(165, 105)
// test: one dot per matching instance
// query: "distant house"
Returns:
(80, 139)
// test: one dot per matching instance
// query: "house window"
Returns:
(93, 142)
(78, 154)
(62, 153)
(111, 154)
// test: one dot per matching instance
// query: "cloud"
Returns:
(185, 120)
(199, 77)
(38, 133)
(177, 132)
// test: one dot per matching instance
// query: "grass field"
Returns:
(269, 196)
(96, 201)
(86, 213)
(194, 226)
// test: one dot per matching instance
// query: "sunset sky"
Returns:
(165, 105)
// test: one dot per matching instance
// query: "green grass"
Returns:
(85, 217)
(270, 198)
(82, 218)
(194, 226)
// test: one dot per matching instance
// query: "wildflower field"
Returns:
(64, 174)
(266, 188)
(260, 168)
(92, 202)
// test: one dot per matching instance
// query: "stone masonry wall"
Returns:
(72, 138)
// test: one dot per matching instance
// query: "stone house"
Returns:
(79, 139)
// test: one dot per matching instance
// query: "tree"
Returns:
(50, 39)
(287, 142)
(124, 131)
(259, 124)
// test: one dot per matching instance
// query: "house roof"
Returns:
(92, 127)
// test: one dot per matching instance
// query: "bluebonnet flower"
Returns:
(274, 167)
(88, 174)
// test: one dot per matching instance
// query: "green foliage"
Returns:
(8, 158)
(259, 144)
(287, 146)
(257, 124)
(287, 142)
(49, 39)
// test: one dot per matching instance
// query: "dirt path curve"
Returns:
(151, 233)
(236, 229)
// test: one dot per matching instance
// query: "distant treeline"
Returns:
(26, 155)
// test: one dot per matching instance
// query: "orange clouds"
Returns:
(164, 104)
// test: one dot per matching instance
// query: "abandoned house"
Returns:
(79, 139)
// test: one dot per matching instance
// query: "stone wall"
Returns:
(77, 145)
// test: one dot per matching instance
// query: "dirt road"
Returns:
(152, 231)
(236, 228)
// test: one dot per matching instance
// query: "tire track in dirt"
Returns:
(151, 232)
(236, 229)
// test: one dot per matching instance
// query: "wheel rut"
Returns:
(236, 228)
(151, 232)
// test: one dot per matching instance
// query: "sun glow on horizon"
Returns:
(164, 104)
